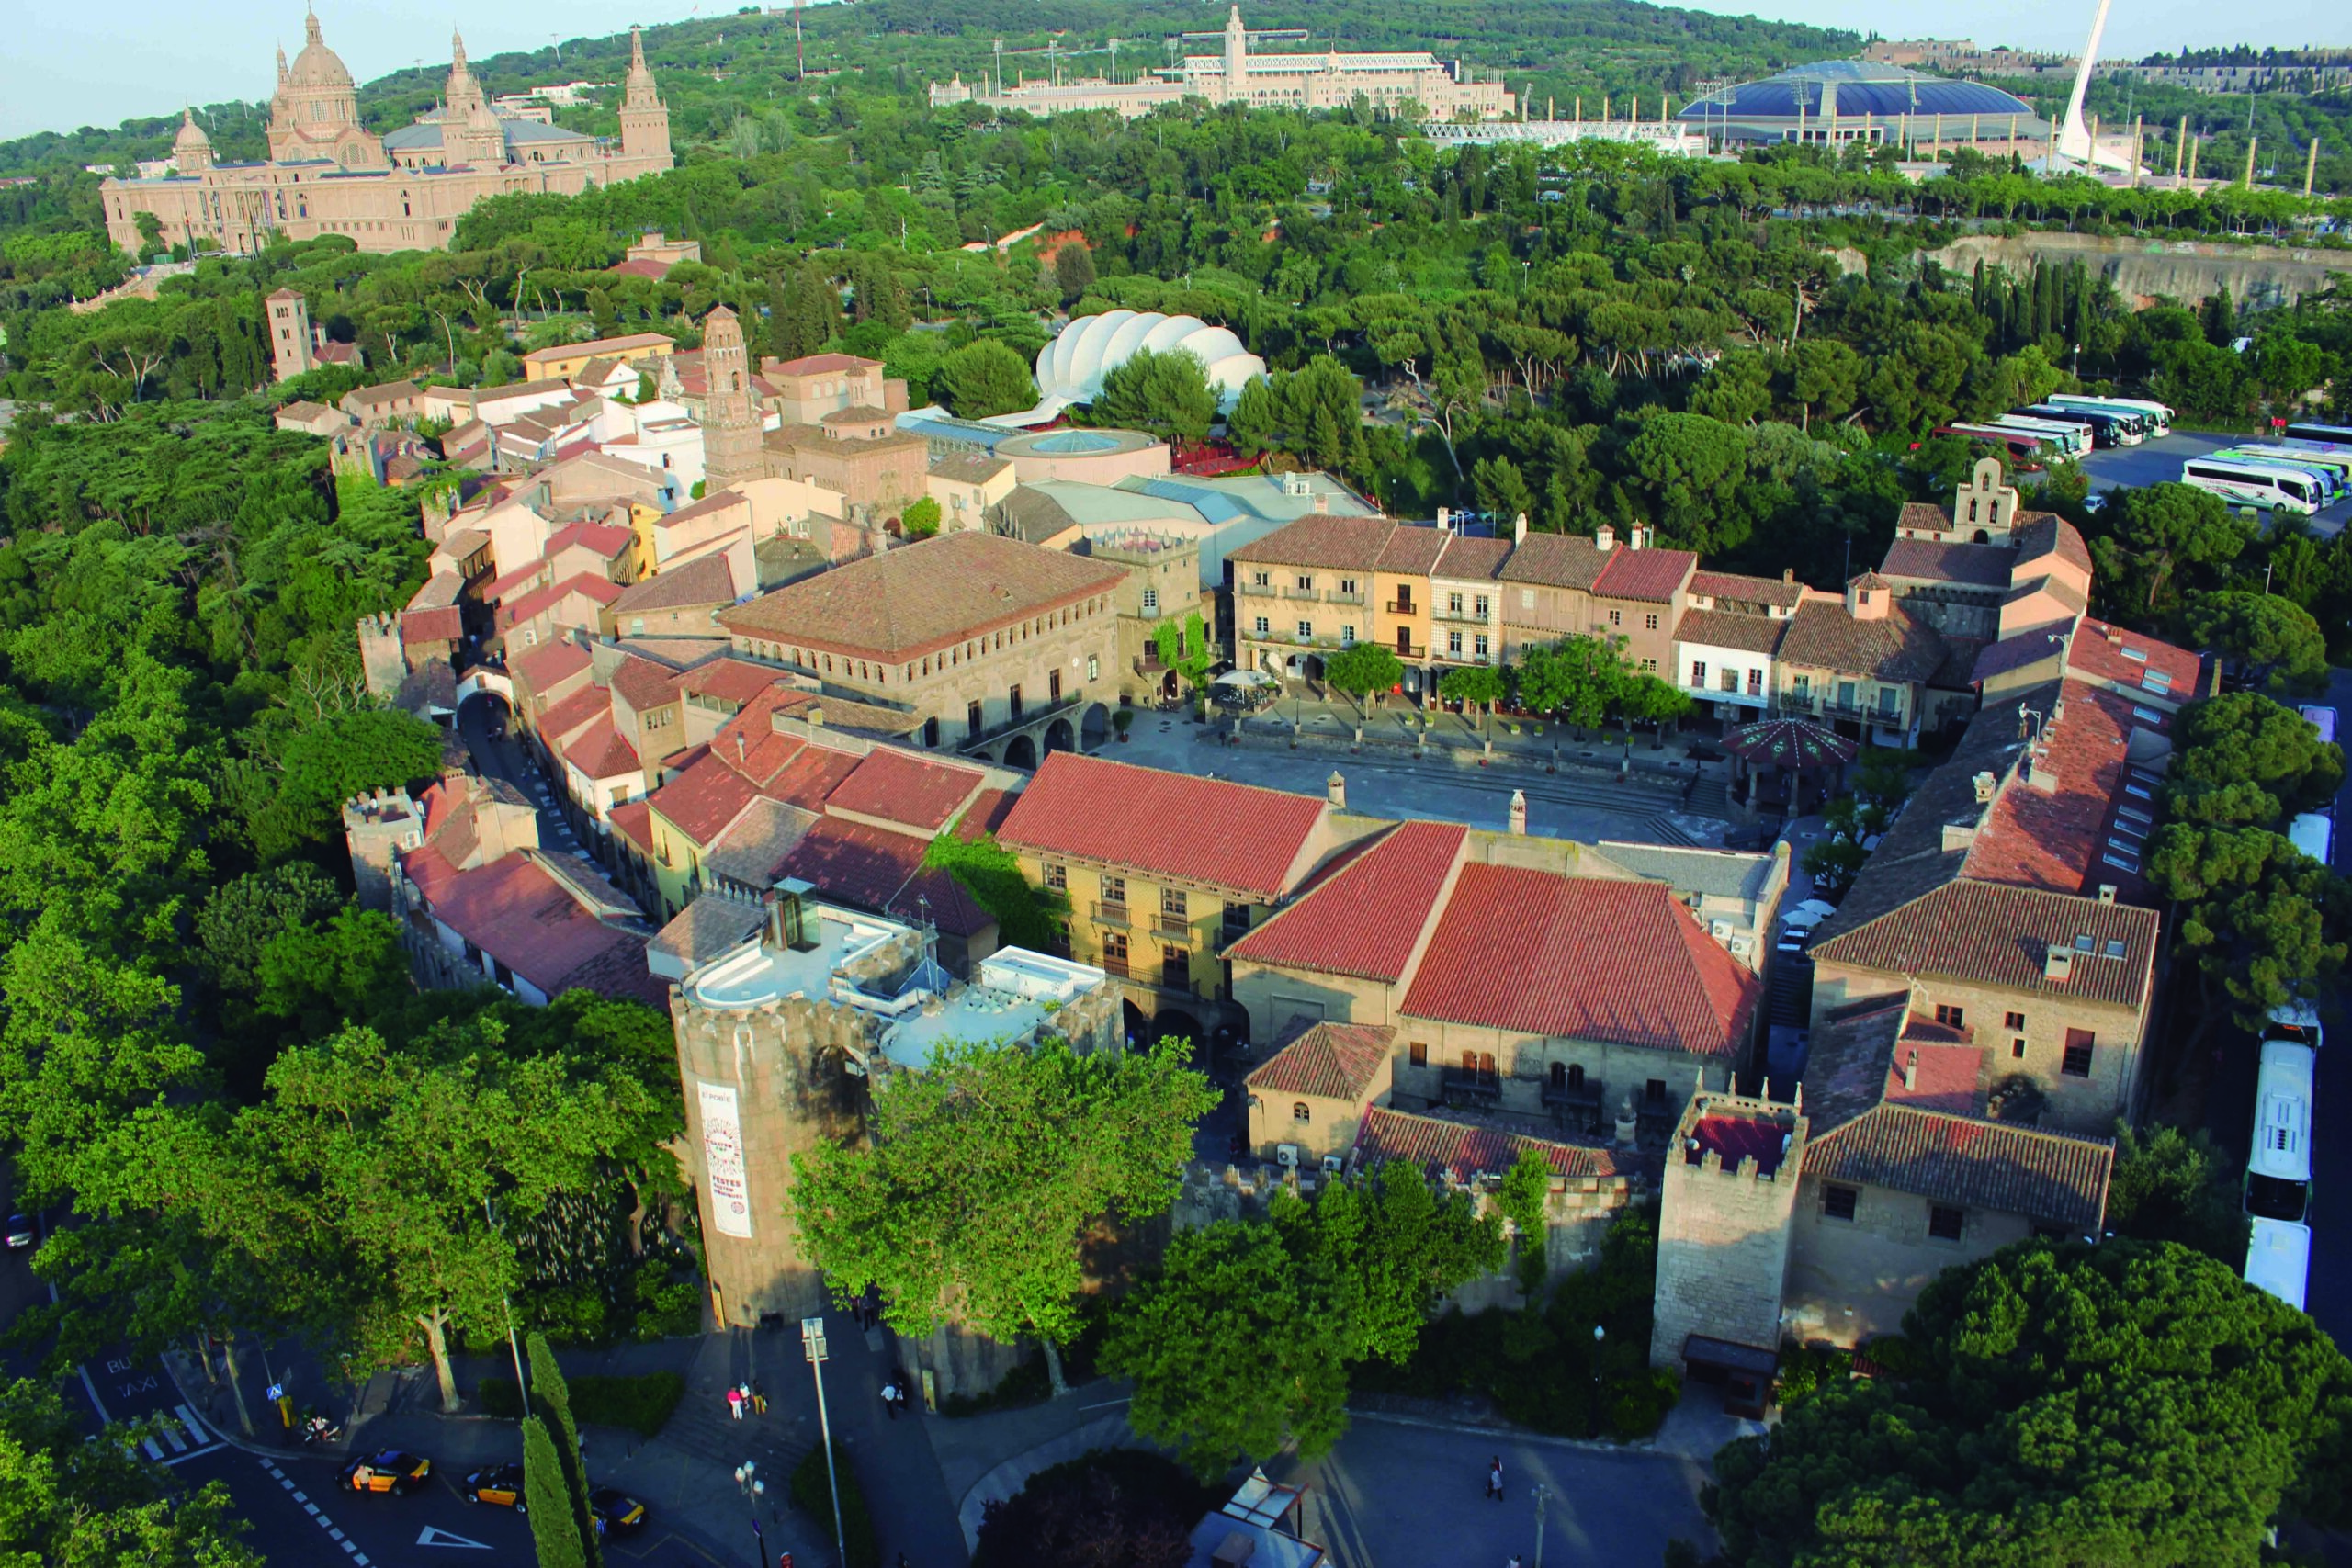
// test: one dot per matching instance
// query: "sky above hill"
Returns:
(75, 65)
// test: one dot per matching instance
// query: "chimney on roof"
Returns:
(2107, 891)
(1911, 1069)
(2058, 963)
(1604, 537)
(1446, 519)
(1518, 812)
(1519, 529)
(1322, 504)
(1636, 537)
(2040, 772)
(1985, 783)
(1336, 789)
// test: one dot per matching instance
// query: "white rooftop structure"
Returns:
(1071, 367)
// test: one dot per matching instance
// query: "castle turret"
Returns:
(1723, 1224)
(292, 343)
(645, 122)
(470, 134)
(731, 421)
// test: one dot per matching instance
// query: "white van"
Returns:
(2279, 1259)
(2312, 834)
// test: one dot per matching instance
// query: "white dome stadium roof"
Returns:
(1071, 367)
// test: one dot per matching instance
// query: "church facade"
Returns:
(327, 173)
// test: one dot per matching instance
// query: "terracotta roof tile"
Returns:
(1580, 957)
(606, 539)
(2040, 534)
(1561, 560)
(729, 680)
(702, 800)
(2055, 837)
(854, 863)
(550, 663)
(433, 625)
(1335, 1061)
(600, 752)
(514, 910)
(1650, 576)
(1412, 551)
(920, 792)
(633, 820)
(1969, 1162)
(1822, 635)
(1341, 543)
(923, 597)
(574, 714)
(1725, 629)
(1931, 561)
(2133, 659)
(810, 776)
(1469, 559)
(1740, 588)
(1462, 1149)
(817, 365)
(644, 685)
(752, 848)
(1366, 916)
(1999, 935)
(1169, 825)
(935, 896)
(598, 590)
(986, 814)
(2067, 593)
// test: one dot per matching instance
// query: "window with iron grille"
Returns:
(1946, 1224)
(1838, 1202)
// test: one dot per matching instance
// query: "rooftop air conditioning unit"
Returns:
(1719, 930)
(1286, 1155)
(1331, 1164)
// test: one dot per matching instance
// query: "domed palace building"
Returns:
(328, 174)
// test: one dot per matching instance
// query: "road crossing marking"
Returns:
(326, 1524)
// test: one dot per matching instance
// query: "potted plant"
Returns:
(1122, 720)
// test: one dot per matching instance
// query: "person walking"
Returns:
(1495, 1479)
(891, 1398)
(735, 1403)
(759, 1399)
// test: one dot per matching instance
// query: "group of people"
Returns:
(746, 1395)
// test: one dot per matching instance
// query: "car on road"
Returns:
(386, 1470)
(615, 1510)
(22, 1232)
(501, 1484)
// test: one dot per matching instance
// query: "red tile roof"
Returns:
(986, 814)
(923, 597)
(1541, 954)
(1465, 1149)
(531, 605)
(1933, 560)
(1339, 542)
(818, 364)
(1968, 1161)
(2041, 534)
(2133, 659)
(643, 266)
(850, 861)
(1172, 826)
(1745, 590)
(604, 538)
(810, 776)
(1412, 551)
(633, 820)
(1650, 575)
(730, 680)
(1823, 636)
(551, 664)
(1472, 559)
(515, 911)
(1364, 914)
(2054, 838)
(433, 625)
(702, 800)
(1998, 935)
(1561, 560)
(644, 685)
(1729, 628)
(575, 713)
(898, 787)
(1945, 1077)
(600, 752)
(1334, 1061)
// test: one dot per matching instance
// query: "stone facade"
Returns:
(1163, 587)
(1852, 1278)
(375, 828)
(329, 175)
(1723, 1251)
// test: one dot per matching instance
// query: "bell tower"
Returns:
(731, 415)
(645, 123)
(1236, 57)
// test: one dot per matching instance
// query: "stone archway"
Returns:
(1020, 753)
(1059, 737)
(1094, 725)
(1133, 1024)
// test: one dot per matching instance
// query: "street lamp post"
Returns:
(521, 1383)
(1543, 1495)
(812, 1344)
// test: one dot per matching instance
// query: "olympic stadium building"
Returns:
(1835, 102)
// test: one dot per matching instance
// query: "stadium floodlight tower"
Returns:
(2075, 142)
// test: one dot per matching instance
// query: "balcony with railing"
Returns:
(1798, 705)
(1408, 648)
(1402, 607)
(1173, 925)
(1471, 616)
(1296, 591)
(1469, 1083)
(1715, 693)
(1115, 912)
(1116, 964)
(1342, 596)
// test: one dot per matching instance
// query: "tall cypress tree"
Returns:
(551, 1401)
(545, 1489)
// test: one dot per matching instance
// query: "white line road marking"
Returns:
(194, 1427)
(171, 1436)
(310, 1509)
(434, 1536)
(197, 1453)
(298, 1497)
(154, 1451)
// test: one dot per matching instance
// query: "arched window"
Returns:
(1299, 1113)
(1576, 1075)
(1559, 1075)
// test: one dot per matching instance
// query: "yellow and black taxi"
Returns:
(386, 1470)
(615, 1510)
(501, 1484)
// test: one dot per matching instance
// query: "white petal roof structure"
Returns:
(1071, 367)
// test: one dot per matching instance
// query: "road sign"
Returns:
(277, 1391)
(432, 1536)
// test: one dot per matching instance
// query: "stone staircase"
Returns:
(1791, 999)
(702, 1428)
(1709, 797)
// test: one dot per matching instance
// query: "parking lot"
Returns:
(2153, 461)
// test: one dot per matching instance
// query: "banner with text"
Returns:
(722, 1150)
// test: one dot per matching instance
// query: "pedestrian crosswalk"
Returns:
(182, 1434)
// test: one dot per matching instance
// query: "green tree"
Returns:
(1361, 669)
(2273, 640)
(1580, 678)
(2125, 1403)
(1691, 469)
(2152, 533)
(984, 378)
(382, 1164)
(803, 313)
(1475, 686)
(551, 1406)
(79, 1501)
(984, 1171)
(2244, 761)
(921, 518)
(1073, 270)
(327, 763)
(1243, 1343)
(2174, 1186)
(243, 917)
(554, 1533)
(2259, 917)
(1168, 395)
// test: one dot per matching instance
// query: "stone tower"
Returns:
(1236, 57)
(645, 123)
(191, 150)
(731, 422)
(383, 661)
(375, 828)
(1724, 1223)
(470, 134)
(290, 344)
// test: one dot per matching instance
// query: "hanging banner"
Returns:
(722, 1154)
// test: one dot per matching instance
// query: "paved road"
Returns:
(2153, 461)
(2330, 1297)
(505, 759)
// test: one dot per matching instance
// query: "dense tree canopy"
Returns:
(2125, 1403)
